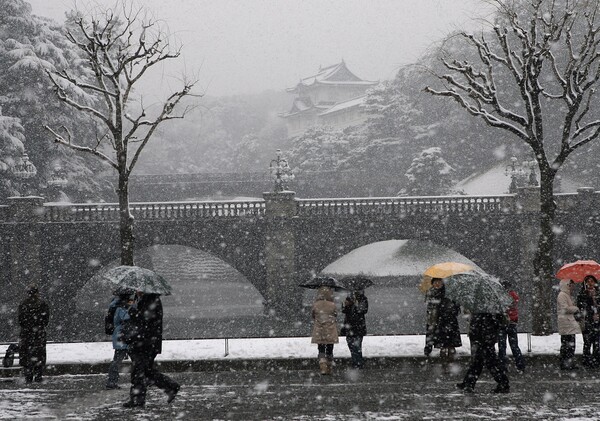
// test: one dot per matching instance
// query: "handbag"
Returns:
(9, 357)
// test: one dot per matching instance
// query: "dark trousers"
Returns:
(591, 336)
(325, 351)
(143, 374)
(567, 351)
(33, 360)
(33, 369)
(113, 369)
(355, 347)
(484, 354)
(510, 332)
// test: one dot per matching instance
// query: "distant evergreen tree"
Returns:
(389, 111)
(28, 45)
(11, 148)
(429, 174)
(318, 149)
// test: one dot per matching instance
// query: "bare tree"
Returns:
(535, 76)
(117, 52)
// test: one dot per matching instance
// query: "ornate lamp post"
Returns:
(281, 173)
(23, 170)
(518, 174)
(514, 171)
(58, 178)
(532, 180)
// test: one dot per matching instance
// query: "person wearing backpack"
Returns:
(113, 323)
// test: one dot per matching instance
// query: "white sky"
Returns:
(247, 46)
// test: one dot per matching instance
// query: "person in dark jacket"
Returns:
(355, 307)
(433, 298)
(509, 331)
(33, 316)
(145, 343)
(587, 302)
(121, 304)
(483, 333)
(443, 326)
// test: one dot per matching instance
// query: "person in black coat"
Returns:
(33, 316)
(144, 337)
(355, 308)
(587, 302)
(483, 333)
(442, 325)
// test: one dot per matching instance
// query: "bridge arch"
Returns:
(396, 305)
(209, 296)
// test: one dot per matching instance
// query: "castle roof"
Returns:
(341, 106)
(337, 74)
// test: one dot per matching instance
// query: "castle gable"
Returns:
(332, 96)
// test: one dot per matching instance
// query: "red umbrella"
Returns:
(578, 270)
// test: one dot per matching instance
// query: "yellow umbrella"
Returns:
(442, 270)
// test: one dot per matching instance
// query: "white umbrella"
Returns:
(137, 279)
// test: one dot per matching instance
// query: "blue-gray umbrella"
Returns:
(355, 283)
(477, 292)
(137, 279)
(323, 281)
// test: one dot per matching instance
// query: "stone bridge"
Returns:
(280, 240)
(162, 187)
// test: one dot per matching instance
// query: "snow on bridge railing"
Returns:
(503, 203)
(97, 212)
(567, 202)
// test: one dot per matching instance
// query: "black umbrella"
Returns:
(322, 281)
(355, 283)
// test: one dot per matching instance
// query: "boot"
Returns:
(323, 366)
(329, 367)
(451, 353)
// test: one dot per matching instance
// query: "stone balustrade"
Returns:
(406, 205)
(398, 206)
(152, 211)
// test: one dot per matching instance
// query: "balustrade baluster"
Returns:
(399, 207)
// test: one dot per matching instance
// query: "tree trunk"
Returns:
(125, 222)
(543, 262)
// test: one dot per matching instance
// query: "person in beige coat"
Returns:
(568, 326)
(325, 333)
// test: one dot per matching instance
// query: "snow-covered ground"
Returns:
(303, 396)
(215, 349)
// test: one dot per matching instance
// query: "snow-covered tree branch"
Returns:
(534, 76)
(118, 48)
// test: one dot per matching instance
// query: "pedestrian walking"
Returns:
(324, 333)
(568, 326)
(483, 333)
(118, 309)
(143, 334)
(508, 331)
(33, 316)
(442, 327)
(355, 307)
(587, 303)
(433, 298)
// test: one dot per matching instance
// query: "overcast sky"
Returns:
(248, 46)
